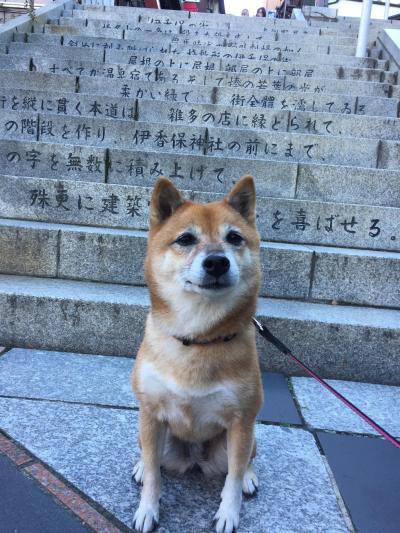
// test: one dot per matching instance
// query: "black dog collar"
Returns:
(188, 342)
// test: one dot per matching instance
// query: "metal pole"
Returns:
(363, 29)
(386, 12)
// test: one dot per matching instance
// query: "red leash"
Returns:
(264, 332)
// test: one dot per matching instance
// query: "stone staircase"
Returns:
(96, 103)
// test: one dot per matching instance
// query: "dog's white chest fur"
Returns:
(193, 415)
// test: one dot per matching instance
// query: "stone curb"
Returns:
(48, 482)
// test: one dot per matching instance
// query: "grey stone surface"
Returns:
(286, 270)
(95, 204)
(278, 99)
(38, 38)
(106, 255)
(19, 126)
(294, 484)
(63, 315)
(279, 220)
(205, 173)
(94, 69)
(341, 342)
(269, 120)
(389, 155)
(29, 249)
(322, 410)
(185, 139)
(73, 316)
(10, 63)
(52, 161)
(66, 104)
(62, 52)
(37, 80)
(361, 277)
(67, 377)
(348, 185)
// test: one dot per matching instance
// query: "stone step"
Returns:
(96, 28)
(210, 116)
(281, 33)
(273, 76)
(282, 179)
(119, 104)
(219, 142)
(126, 207)
(310, 273)
(207, 61)
(86, 316)
(91, 36)
(154, 41)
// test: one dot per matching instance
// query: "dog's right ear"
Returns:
(165, 200)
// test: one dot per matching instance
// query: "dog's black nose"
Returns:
(216, 265)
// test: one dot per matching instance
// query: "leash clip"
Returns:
(258, 324)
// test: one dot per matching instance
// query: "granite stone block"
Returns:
(65, 104)
(52, 161)
(202, 173)
(62, 52)
(279, 220)
(322, 410)
(294, 483)
(91, 204)
(19, 126)
(11, 63)
(78, 28)
(286, 270)
(328, 183)
(333, 223)
(355, 276)
(42, 38)
(67, 377)
(105, 255)
(146, 90)
(341, 342)
(28, 248)
(75, 316)
(389, 155)
(36, 80)
(211, 116)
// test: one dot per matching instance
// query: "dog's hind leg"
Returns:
(214, 457)
(177, 455)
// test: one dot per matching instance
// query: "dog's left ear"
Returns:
(165, 200)
(242, 198)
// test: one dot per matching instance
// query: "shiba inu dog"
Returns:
(197, 374)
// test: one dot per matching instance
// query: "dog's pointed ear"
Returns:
(165, 200)
(242, 198)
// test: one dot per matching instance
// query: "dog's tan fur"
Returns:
(198, 403)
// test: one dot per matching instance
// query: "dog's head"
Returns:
(204, 252)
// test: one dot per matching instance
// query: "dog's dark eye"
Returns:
(186, 239)
(233, 237)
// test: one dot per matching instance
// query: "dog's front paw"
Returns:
(146, 518)
(226, 519)
(250, 482)
(138, 472)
